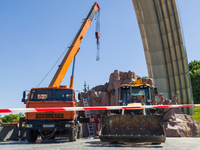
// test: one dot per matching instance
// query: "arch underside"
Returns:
(164, 48)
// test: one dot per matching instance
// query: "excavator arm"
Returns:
(73, 49)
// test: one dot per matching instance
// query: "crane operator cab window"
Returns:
(62, 94)
(51, 95)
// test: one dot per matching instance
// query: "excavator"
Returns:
(51, 124)
(134, 125)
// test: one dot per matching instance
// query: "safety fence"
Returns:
(27, 110)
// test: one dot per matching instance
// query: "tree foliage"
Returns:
(9, 118)
(194, 67)
(145, 77)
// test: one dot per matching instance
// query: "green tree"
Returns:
(145, 77)
(194, 67)
(9, 118)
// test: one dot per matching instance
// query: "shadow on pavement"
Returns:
(38, 141)
(107, 144)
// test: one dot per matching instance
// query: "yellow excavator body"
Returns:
(134, 125)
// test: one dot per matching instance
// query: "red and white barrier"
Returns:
(17, 110)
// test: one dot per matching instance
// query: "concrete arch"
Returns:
(164, 49)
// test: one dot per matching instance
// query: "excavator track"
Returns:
(133, 128)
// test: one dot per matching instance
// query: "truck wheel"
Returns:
(80, 131)
(72, 134)
(31, 136)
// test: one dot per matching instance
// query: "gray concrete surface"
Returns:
(63, 143)
(10, 133)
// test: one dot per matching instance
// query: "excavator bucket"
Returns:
(133, 128)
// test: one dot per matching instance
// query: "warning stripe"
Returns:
(17, 110)
(6, 111)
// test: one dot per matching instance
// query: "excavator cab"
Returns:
(131, 95)
(138, 94)
(134, 125)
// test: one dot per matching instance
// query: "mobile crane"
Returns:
(50, 124)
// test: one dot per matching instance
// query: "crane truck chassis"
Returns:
(50, 124)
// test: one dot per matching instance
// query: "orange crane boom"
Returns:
(73, 49)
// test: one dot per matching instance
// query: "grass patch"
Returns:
(197, 116)
(198, 135)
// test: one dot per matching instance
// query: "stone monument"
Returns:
(113, 87)
(176, 123)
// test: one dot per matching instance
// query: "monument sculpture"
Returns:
(113, 87)
(176, 123)
(130, 78)
(98, 99)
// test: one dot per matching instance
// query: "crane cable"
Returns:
(97, 35)
(54, 64)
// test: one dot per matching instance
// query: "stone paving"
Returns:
(89, 144)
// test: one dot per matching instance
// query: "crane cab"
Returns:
(51, 97)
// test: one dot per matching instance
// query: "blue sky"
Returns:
(34, 34)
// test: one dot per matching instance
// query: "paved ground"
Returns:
(90, 144)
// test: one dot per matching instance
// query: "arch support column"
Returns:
(164, 48)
